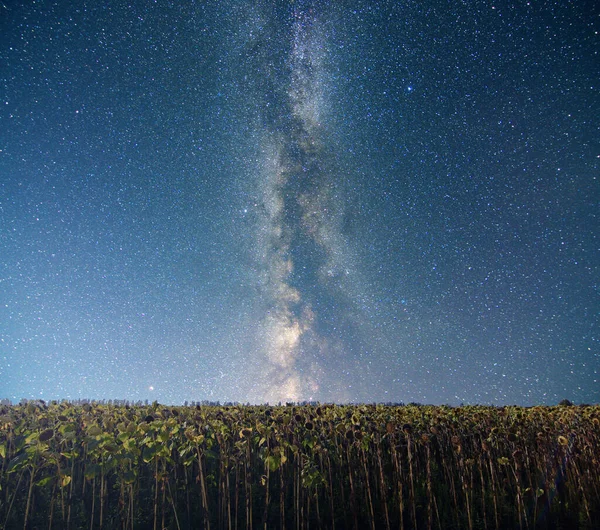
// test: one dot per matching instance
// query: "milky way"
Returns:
(297, 234)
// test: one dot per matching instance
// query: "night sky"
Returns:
(352, 201)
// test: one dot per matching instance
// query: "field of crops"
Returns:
(298, 467)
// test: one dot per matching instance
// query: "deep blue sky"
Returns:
(335, 201)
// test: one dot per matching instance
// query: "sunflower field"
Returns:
(97, 465)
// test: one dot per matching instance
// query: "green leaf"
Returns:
(150, 452)
(110, 448)
(67, 427)
(189, 459)
(70, 435)
(19, 461)
(129, 444)
(273, 462)
(92, 444)
(94, 430)
(3, 450)
(184, 450)
(18, 443)
(163, 436)
(44, 481)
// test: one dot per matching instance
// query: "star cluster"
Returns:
(262, 201)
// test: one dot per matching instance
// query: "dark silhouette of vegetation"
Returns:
(121, 465)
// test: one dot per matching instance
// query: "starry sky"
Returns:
(257, 201)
